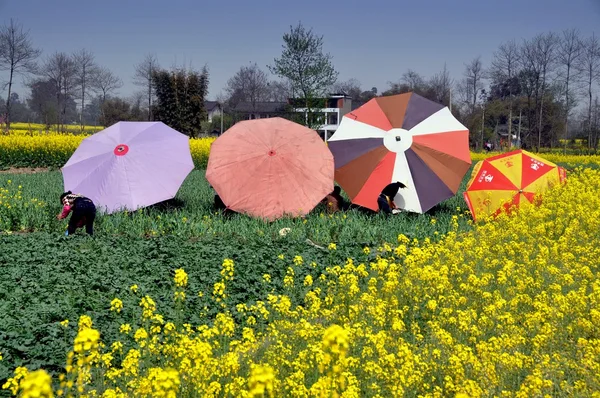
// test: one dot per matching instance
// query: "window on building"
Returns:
(332, 118)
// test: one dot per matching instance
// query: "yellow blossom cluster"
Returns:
(552, 157)
(55, 149)
(41, 129)
(510, 308)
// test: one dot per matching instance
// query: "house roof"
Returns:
(259, 107)
(211, 105)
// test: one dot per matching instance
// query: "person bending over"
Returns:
(385, 201)
(83, 209)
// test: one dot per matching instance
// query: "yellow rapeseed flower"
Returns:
(181, 278)
(116, 305)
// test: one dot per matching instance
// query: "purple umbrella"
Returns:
(129, 165)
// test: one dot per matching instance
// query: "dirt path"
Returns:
(24, 170)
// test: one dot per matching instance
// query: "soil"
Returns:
(24, 170)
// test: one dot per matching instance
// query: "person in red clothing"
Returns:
(83, 209)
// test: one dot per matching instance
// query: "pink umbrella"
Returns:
(129, 165)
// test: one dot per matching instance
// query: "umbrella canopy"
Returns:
(269, 168)
(404, 138)
(512, 178)
(129, 165)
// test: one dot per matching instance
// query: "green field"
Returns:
(46, 277)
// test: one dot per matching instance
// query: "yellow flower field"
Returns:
(40, 129)
(509, 309)
(552, 157)
(54, 150)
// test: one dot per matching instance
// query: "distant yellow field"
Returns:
(36, 128)
(51, 149)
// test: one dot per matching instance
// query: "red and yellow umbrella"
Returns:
(499, 182)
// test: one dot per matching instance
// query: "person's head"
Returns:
(63, 196)
(337, 190)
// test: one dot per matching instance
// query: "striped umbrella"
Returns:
(509, 179)
(404, 138)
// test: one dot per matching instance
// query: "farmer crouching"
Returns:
(84, 212)
(385, 201)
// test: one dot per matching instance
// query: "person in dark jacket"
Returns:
(385, 201)
(83, 209)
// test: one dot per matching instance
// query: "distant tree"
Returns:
(307, 68)
(569, 53)
(86, 73)
(19, 109)
(350, 87)
(280, 90)
(60, 70)
(42, 101)
(473, 82)
(503, 72)
(138, 113)
(180, 96)
(106, 83)
(440, 85)
(17, 56)
(92, 111)
(249, 84)
(411, 81)
(589, 67)
(143, 78)
(114, 110)
(368, 95)
(546, 46)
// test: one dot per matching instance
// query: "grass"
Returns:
(190, 215)
(46, 277)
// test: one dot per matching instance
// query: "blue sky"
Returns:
(373, 41)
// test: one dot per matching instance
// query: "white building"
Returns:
(336, 106)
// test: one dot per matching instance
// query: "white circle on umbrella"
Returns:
(397, 140)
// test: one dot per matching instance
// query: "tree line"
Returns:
(542, 90)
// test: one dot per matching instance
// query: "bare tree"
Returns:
(351, 88)
(530, 79)
(280, 90)
(546, 46)
(505, 66)
(441, 85)
(143, 78)
(60, 70)
(249, 84)
(589, 65)
(568, 55)
(17, 56)
(85, 75)
(473, 83)
(106, 83)
(413, 80)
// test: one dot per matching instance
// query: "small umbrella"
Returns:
(512, 178)
(129, 165)
(404, 138)
(269, 168)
